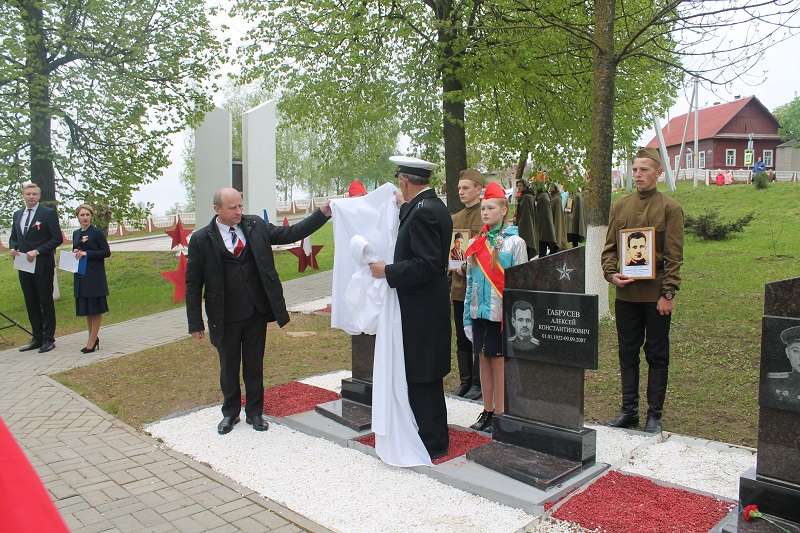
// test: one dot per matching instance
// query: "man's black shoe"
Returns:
(258, 423)
(438, 455)
(47, 346)
(227, 424)
(31, 345)
(653, 425)
(624, 420)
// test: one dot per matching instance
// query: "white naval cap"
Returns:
(413, 165)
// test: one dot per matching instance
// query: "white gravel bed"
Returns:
(338, 487)
(695, 467)
(615, 445)
(310, 307)
(331, 381)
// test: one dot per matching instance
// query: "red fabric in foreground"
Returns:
(294, 397)
(460, 443)
(618, 503)
(24, 502)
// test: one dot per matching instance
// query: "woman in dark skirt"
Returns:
(91, 288)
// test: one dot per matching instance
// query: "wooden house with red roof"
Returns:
(723, 134)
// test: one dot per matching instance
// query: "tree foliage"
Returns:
(89, 92)
(788, 116)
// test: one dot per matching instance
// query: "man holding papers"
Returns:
(35, 234)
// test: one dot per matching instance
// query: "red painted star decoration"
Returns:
(306, 255)
(178, 277)
(179, 235)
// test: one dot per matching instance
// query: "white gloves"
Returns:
(468, 332)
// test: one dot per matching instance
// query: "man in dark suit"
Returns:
(232, 258)
(419, 273)
(36, 234)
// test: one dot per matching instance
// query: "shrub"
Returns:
(760, 180)
(710, 228)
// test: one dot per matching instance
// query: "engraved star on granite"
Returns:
(564, 271)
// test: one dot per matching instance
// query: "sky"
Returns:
(781, 85)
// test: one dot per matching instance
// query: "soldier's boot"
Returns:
(656, 393)
(628, 416)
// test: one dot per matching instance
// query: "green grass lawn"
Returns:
(716, 328)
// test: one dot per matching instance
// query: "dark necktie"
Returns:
(27, 222)
(238, 245)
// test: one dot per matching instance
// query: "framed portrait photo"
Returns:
(459, 242)
(637, 252)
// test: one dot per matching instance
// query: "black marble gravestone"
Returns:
(540, 439)
(354, 409)
(774, 485)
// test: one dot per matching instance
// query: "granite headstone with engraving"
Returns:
(774, 485)
(551, 339)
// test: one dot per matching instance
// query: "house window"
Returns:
(677, 162)
(730, 158)
(701, 159)
(689, 160)
(768, 158)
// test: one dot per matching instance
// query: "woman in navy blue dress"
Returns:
(91, 288)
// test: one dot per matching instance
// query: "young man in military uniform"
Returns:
(470, 185)
(644, 306)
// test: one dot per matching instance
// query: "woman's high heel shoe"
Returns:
(93, 348)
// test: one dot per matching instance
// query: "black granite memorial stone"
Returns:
(540, 439)
(354, 410)
(774, 486)
(358, 388)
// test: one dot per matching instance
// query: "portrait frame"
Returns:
(641, 266)
(465, 236)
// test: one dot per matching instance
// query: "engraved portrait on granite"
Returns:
(520, 334)
(780, 364)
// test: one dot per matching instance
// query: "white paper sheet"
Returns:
(21, 263)
(67, 261)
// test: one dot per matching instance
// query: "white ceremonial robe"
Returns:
(369, 305)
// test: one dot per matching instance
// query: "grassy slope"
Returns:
(715, 337)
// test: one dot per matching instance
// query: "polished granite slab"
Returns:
(363, 356)
(357, 390)
(579, 446)
(545, 392)
(537, 469)
(779, 445)
(354, 415)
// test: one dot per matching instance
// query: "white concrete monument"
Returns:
(259, 160)
(212, 162)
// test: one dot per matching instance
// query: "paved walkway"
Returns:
(104, 475)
